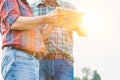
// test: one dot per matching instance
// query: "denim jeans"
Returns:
(59, 69)
(19, 65)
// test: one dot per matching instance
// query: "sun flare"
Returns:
(91, 21)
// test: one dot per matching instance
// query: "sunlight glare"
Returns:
(92, 22)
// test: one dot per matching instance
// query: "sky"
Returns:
(100, 50)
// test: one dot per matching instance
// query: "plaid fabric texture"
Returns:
(28, 40)
(61, 39)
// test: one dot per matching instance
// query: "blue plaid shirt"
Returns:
(61, 39)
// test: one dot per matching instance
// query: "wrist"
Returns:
(46, 19)
(43, 19)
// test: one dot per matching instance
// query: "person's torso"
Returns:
(28, 40)
(61, 39)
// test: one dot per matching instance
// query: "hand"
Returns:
(54, 18)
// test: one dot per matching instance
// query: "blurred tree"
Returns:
(96, 76)
(76, 78)
(86, 72)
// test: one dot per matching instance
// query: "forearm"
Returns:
(25, 23)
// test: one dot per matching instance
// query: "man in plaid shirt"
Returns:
(58, 62)
(22, 42)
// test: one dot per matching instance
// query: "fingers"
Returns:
(55, 18)
(57, 21)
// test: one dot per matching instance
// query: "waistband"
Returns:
(40, 55)
(37, 55)
(53, 56)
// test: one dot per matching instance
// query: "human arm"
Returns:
(24, 23)
(12, 18)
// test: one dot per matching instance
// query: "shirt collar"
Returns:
(41, 3)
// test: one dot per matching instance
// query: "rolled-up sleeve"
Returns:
(9, 12)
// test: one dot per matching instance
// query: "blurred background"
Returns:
(100, 50)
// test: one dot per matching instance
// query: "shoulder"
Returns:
(9, 3)
(66, 4)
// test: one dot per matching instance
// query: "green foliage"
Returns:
(96, 76)
(76, 78)
(87, 74)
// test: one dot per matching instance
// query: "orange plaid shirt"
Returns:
(27, 40)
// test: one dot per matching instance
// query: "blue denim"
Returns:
(19, 65)
(60, 69)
